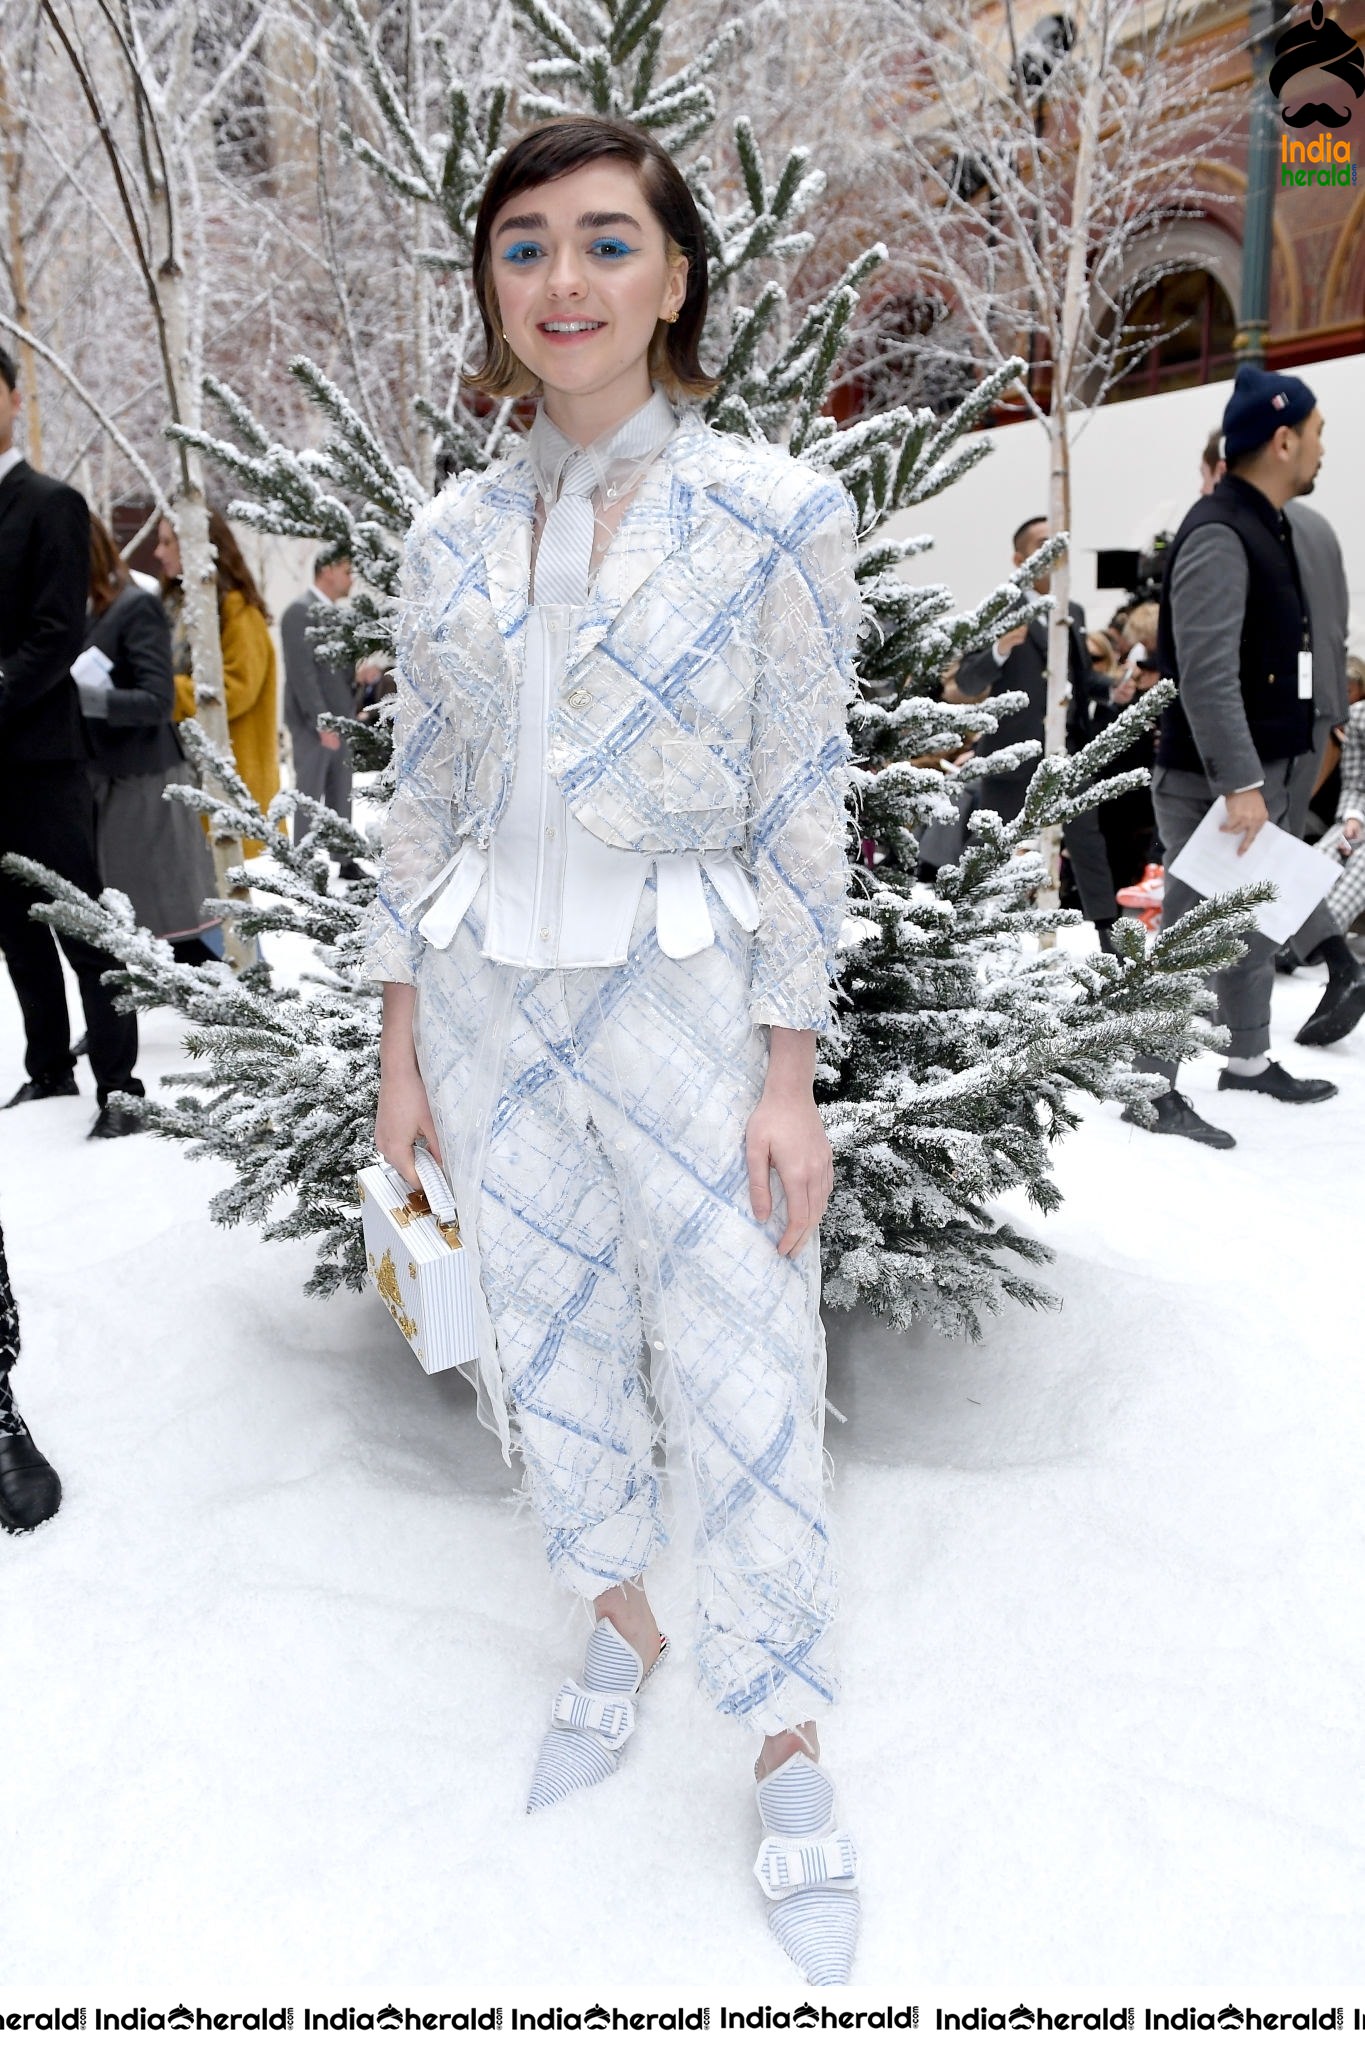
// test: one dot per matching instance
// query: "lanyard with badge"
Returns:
(1305, 670)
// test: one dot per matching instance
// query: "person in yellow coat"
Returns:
(250, 686)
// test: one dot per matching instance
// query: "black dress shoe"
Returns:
(43, 1085)
(1177, 1117)
(30, 1491)
(1341, 1009)
(1273, 1081)
(116, 1121)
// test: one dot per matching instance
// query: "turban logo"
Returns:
(1317, 45)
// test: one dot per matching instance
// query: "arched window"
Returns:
(1191, 324)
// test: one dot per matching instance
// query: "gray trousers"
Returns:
(322, 772)
(1082, 840)
(1303, 773)
(1180, 799)
(1089, 857)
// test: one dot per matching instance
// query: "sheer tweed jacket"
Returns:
(703, 704)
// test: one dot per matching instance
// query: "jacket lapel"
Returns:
(642, 543)
(662, 518)
(502, 519)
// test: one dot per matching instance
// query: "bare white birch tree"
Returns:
(150, 102)
(13, 141)
(1040, 173)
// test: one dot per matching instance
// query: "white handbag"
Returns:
(417, 1262)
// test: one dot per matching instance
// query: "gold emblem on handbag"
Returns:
(419, 1267)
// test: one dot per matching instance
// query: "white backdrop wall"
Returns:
(1135, 470)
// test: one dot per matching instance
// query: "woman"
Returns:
(249, 683)
(151, 849)
(1128, 822)
(613, 880)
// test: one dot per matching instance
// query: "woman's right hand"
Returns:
(404, 1116)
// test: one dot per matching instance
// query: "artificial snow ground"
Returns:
(273, 1680)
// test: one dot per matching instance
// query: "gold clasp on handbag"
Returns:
(418, 1205)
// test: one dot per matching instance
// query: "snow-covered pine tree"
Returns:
(963, 1039)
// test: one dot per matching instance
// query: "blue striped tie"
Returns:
(564, 557)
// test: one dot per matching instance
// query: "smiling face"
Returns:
(583, 273)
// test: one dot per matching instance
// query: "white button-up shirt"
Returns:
(554, 894)
(558, 896)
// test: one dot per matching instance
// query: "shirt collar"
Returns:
(12, 458)
(1255, 500)
(630, 447)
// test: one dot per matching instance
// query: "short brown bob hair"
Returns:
(552, 151)
(109, 576)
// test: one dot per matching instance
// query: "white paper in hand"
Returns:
(1210, 863)
(92, 668)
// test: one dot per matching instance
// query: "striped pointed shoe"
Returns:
(808, 1871)
(591, 1721)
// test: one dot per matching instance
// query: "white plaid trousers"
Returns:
(593, 1121)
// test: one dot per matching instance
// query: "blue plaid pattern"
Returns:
(704, 702)
(593, 1123)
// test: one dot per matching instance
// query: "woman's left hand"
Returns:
(785, 1135)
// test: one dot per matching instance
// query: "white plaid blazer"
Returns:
(703, 708)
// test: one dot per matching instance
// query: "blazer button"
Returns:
(576, 699)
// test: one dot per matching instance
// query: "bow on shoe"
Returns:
(808, 1869)
(610, 1716)
(590, 1722)
(786, 1866)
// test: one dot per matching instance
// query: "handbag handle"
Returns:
(434, 1186)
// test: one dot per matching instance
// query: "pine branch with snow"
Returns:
(965, 1043)
(285, 1079)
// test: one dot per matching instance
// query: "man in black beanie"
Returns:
(1236, 638)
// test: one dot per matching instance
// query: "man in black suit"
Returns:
(46, 803)
(1018, 661)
